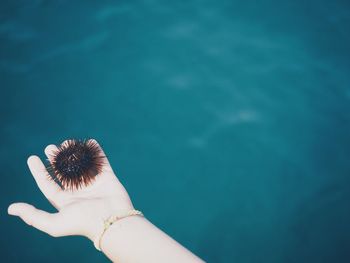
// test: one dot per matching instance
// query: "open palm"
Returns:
(79, 212)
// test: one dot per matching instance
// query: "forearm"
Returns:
(135, 239)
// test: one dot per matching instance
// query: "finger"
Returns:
(106, 165)
(39, 219)
(47, 186)
(50, 151)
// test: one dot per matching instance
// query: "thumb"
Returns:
(44, 221)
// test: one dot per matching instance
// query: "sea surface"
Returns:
(227, 121)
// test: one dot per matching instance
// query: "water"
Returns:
(227, 121)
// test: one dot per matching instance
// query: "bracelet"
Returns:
(109, 221)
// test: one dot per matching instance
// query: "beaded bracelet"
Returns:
(108, 222)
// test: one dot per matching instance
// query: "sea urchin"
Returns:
(76, 163)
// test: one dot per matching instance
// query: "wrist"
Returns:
(120, 232)
(98, 211)
(110, 222)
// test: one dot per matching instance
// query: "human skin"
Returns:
(82, 212)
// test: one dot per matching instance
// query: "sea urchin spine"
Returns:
(76, 163)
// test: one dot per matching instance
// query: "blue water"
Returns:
(227, 121)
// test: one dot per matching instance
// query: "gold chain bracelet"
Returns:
(110, 221)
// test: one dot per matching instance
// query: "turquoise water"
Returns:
(227, 121)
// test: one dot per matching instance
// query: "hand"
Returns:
(80, 212)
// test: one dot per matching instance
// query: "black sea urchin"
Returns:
(76, 163)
